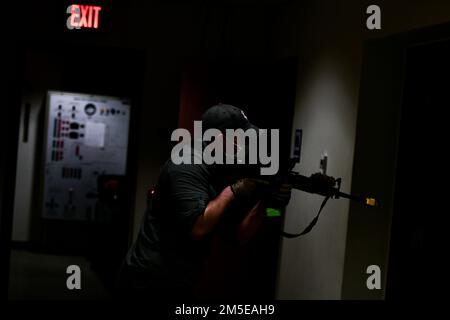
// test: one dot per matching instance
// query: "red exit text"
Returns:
(83, 16)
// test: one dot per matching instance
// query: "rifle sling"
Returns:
(311, 224)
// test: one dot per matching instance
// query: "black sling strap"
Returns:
(311, 224)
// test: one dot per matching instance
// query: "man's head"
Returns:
(223, 117)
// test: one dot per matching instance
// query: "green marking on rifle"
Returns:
(271, 212)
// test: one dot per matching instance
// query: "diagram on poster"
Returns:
(86, 136)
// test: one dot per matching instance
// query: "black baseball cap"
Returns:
(225, 116)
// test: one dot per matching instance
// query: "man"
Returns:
(189, 203)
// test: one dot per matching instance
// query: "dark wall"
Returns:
(10, 91)
(374, 164)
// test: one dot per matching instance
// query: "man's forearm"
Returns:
(212, 214)
(251, 224)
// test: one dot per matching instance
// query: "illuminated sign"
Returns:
(83, 16)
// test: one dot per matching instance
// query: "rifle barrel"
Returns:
(371, 202)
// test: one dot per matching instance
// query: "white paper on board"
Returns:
(94, 135)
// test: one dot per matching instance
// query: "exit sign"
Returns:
(83, 16)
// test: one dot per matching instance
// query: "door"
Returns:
(417, 254)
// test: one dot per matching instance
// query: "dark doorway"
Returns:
(417, 254)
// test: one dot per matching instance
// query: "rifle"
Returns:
(317, 183)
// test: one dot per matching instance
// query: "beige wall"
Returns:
(328, 37)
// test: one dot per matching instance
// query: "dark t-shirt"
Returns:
(164, 257)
